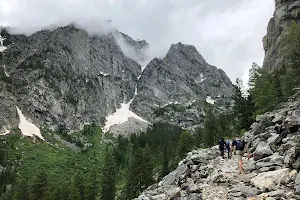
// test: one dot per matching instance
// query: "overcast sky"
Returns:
(228, 33)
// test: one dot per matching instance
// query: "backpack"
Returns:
(239, 145)
(221, 144)
(227, 144)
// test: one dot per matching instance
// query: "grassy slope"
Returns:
(59, 162)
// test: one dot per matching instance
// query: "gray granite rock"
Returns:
(178, 85)
(285, 13)
(65, 78)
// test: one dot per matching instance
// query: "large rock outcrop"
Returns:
(65, 78)
(286, 12)
(176, 88)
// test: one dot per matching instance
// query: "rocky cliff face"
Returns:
(286, 12)
(65, 78)
(271, 172)
(179, 85)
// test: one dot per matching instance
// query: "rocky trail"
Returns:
(222, 167)
(272, 172)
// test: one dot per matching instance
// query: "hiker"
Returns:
(227, 144)
(222, 147)
(238, 146)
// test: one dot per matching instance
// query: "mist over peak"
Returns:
(228, 34)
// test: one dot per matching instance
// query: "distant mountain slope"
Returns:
(65, 78)
(183, 78)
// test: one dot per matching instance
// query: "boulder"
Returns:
(181, 172)
(173, 192)
(246, 191)
(195, 197)
(272, 138)
(289, 157)
(268, 180)
(293, 175)
(265, 169)
(262, 150)
(193, 188)
(263, 164)
(297, 180)
(264, 136)
(279, 116)
(294, 117)
(296, 164)
(284, 147)
(145, 197)
(236, 194)
(204, 155)
(219, 178)
(276, 159)
(206, 170)
(196, 176)
(248, 136)
(278, 194)
(159, 197)
(265, 121)
(170, 179)
(194, 168)
(255, 142)
(262, 196)
(250, 166)
(270, 198)
(297, 189)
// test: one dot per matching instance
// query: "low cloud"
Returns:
(227, 33)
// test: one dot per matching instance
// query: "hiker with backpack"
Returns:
(222, 147)
(227, 144)
(239, 147)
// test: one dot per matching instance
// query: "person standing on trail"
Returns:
(238, 146)
(227, 144)
(222, 147)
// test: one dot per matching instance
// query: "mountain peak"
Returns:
(179, 45)
(185, 52)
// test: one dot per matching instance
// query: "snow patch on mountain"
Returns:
(6, 74)
(2, 48)
(103, 74)
(27, 128)
(135, 91)
(120, 116)
(210, 100)
(169, 103)
(201, 78)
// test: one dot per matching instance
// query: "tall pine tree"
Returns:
(140, 172)
(290, 48)
(147, 167)
(210, 128)
(165, 163)
(109, 178)
(73, 192)
(39, 188)
(91, 186)
(22, 191)
(185, 144)
(243, 107)
(79, 183)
